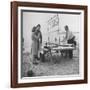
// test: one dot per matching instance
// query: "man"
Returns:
(70, 38)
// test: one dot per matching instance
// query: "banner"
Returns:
(53, 22)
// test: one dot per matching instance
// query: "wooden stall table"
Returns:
(50, 49)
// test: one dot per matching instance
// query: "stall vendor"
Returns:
(70, 38)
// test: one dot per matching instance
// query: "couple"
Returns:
(36, 43)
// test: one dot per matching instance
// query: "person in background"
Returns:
(70, 38)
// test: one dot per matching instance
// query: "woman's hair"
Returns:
(38, 25)
(33, 29)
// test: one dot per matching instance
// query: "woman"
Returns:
(38, 27)
(35, 48)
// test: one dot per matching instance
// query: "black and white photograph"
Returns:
(50, 42)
